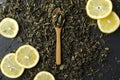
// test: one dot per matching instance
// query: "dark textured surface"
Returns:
(108, 70)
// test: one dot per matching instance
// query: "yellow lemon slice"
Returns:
(98, 9)
(109, 24)
(44, 75)
(27, 56)
(10, 68)
(9, 28)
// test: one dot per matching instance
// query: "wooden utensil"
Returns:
(58, 21)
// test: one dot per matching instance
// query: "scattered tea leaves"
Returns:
(80, 46)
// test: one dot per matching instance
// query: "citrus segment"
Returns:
(44, 75)
(109, 24)
(10, 68)
(98, 9)
(27, 56)
(9, 28)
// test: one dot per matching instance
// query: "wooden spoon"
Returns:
(58, 21)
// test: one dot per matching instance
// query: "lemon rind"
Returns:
(44, 72)
(36, 53)
(2, 70)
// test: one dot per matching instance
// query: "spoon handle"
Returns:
(58, 45)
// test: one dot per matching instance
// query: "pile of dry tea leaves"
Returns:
(82, 44)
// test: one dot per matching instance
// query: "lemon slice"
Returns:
(44, 75)
(27, 56)
(98, 9)
(10, 68)
(109, 24)
(9, 28)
